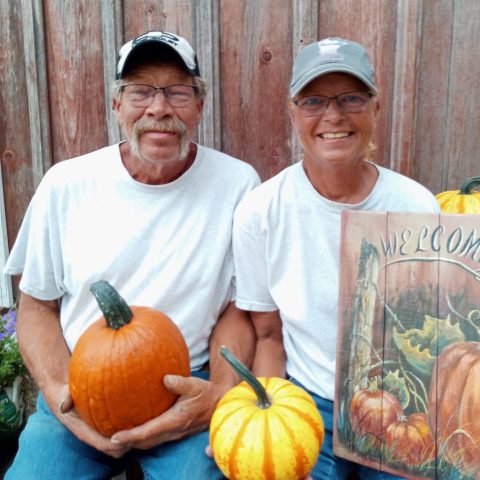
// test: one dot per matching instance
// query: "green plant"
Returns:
(11, 363)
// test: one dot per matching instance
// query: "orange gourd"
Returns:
(464, 200)
(265, 429)
(118, 364)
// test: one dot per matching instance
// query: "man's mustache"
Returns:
(172, 125)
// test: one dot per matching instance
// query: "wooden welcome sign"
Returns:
(407, 395)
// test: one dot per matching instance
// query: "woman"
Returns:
(287, 230)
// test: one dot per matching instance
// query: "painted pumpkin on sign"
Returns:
(118, 364)
(454, 405)
(410, 440)
(371, 412)
(265, 429)
(461, 201)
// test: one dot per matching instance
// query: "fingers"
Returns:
(209, 451)
(189, 386)
(65, 404)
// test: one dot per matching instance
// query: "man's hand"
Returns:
(67, 415)
(190, 414)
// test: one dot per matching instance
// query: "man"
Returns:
(287, 231)
(152, 216)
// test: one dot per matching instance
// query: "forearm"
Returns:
(270, 357)
(235, 331)
(43, 346)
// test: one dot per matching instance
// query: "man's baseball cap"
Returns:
(153, 44)
(328, 56)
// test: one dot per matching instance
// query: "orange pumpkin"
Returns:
(464, 200)
(372, 411)
(454, 404)
(118, 364)
(410, 440)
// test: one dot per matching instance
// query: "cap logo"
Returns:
(329, 52)
(162, 36)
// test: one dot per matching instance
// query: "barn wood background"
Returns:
(58, 58)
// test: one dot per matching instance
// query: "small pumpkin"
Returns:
(461, 201)
(454, 403)
(372, 410)
(118, 364)
(265, 428)
(410, 440)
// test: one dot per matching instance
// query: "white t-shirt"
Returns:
(286, 248)
(163, 246)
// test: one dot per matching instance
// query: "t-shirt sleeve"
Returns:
(249, 252)
(36, 254)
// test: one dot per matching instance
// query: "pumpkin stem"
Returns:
(466, 188)
(114, 308)
(245, 374)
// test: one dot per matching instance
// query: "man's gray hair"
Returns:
(116, 88)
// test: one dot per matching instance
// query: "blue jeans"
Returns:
(47, 450)
(330, 467)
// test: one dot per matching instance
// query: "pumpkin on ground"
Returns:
(461, 201)
(454, 405)
(118, 364)
(265, 428)
(372, 410)
(410, 440)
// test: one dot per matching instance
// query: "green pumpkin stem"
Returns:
(466, 188)
(114, 308)
(245, 374)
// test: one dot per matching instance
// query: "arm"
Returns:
(192, 412)
(270, 355)
(46, 356)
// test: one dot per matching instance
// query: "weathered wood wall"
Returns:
(58, 58)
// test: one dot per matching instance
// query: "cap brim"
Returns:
(311, 75)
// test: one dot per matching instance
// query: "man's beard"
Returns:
(173, 125)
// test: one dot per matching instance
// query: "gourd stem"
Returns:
(245, 374)
(114, 308)
(466, 188)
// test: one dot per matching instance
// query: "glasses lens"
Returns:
(139, 95)
(353, 101)
(313, 105)
(178, 95)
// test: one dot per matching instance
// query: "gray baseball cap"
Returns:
(157, 42)
(328, 56)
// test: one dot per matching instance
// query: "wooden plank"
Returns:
(73, 34)
(171, 15)
(207, 40)
(433, 106)
(112, 36)
(6, 293)
(359, 357)
(404, 101)
(255, 66)
(463, 121)
(15, 146)
(36, 82)
(305, 31)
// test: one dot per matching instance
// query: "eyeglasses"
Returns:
(349, 102)
(140, 95)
